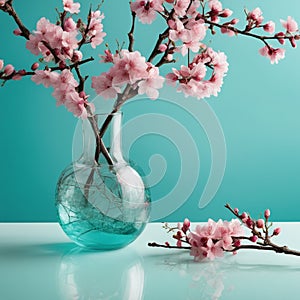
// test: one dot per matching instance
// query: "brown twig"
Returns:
(131, 32)
(167, 246)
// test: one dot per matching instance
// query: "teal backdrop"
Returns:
(258, 110)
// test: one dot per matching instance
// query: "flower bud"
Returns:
(234, 21)
(267, 213)
(22, 72)
(237, 243)
(17, 32)
(260, 223)
(293, 42)
(269, 27)
(244, 215)
(9, 69)
(276, 231)
(253, 238)
(225, 13)
(34, 66)
(280, 37)
(249, 222)
(162, 47)
(62, 65)
(236, 210)
(186, 222)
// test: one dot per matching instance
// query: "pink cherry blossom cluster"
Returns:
(59, 45)
(213, 239)
(53, 42)
(188, 23)
(129, 68)
(199, 71)
(65, 92)
(191, 79)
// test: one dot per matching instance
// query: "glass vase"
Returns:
(101, 200)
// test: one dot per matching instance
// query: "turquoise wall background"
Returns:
(258, 110)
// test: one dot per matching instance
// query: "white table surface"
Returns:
(38, 262)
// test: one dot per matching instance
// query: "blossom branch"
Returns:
(213, 239)
(245, 32)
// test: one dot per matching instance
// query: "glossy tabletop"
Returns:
(38, 262)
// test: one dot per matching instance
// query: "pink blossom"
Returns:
(213, 250)
(273, 54)
(290, 25)
(146, 9)
(227, 242)
(45, 77)
(129, 67)
(151, 83)
(269, 27)
(33, 44)
(194, 46)
(103, 86)
(71, 7)
(197, 29)
(255, 17)
(253, 238)
(75, 104)
(178, 31)
(216, 9)
(171, 78)
(62, 43)
(192, 11)
(70, 25)
(2, 2)
(107, 57)
(181, 7)
(191, 78)
(65, 80)
(1, 64)
(95, 32)
(9, 69)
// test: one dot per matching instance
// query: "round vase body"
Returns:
(102, 205)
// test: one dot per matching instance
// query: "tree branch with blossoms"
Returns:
(186, 24)
(213, 239)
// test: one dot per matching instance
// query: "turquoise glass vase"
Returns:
(102, 205)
